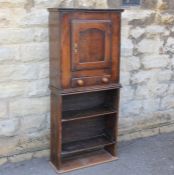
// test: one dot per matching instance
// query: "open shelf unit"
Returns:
(87, 128)
(88, 105)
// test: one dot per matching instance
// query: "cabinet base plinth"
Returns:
(85, 160)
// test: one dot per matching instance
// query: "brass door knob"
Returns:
(105, 80)
(80, 82)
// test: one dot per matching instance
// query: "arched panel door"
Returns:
(90, 44)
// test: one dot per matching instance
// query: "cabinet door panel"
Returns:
(90, 44)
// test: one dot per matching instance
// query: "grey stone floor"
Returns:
(148, 156)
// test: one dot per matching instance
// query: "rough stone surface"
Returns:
(166, 129)
(19, 158)
(150, 46)
(147, 72)
(137, 32)
(157, 61)
(143, 76)
(26, 53)
(84, 3)
(130, 63)
(7, 53)
(165, 75)
(9, 128)
(3, 109)
(169, 4)
(114, 4)
(165, 19)
(29, 106)
(3, 161)
(149, 4)
(28, 71)
(167, 103)
(127, 47)
(33, 124)
(39, 154)
(8, 145)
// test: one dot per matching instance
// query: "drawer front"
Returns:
(90, 81)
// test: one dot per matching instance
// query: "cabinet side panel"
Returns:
(56, 130)
(114, 123)
(115, 17)
(116, 31)
(65, 51)
(54, 37)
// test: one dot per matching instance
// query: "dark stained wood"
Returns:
(86, 160)
(85, 10)
(91, 44)
(85, 145)
(87, 113)
(85, 42)
(89, 73)
(82, 129)
(81, 90)
(116, 47)
(65, 52)
(100, 100)
(89, 81)
(54, 40)
(56, 127)
(84, 84)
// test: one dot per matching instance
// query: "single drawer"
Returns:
(89, 81)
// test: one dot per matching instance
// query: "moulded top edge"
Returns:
(85, 89)
(85, 9)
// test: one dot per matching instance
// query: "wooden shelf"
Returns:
(85, 145)
(87, 113)
(85, 160)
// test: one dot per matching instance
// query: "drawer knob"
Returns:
(105, 80)
(80, 82)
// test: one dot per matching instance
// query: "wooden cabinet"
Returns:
(84, 83)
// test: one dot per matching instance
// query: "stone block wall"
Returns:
(147, 72)
(147, 69)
